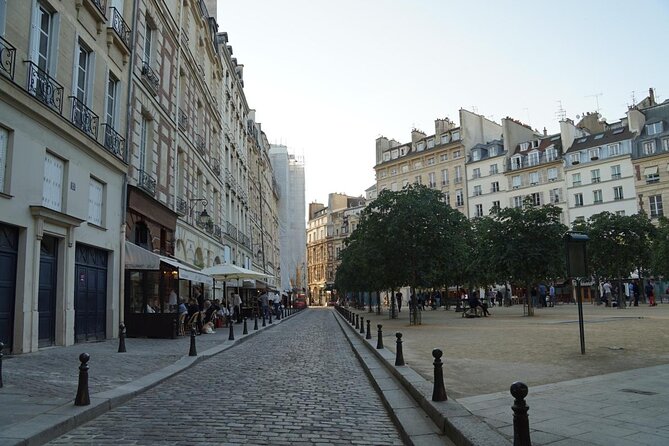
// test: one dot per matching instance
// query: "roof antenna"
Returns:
(561, 112)
(596, 96)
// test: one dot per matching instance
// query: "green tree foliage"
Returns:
(660, 250)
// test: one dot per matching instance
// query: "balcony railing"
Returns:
(182, 206)
(245, 240)
(217, 232)
(114, 142)
(120, 27)
(44, 87)
(231, 230)
(526, 161)
(228, 178)
(147, 182)
(101, 5)
(216, 166)
(7, 58)
(200, 144)
(84, 118)
(150, 78)
(183, 120)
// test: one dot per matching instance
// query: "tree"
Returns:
(660, 249)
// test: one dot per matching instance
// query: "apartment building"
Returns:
(650, 158)
(64, 81)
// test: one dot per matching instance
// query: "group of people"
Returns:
(611, 295)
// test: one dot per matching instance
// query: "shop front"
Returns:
(154, 287)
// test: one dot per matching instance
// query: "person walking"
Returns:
(606, 288)
(551, 295)
(398, 299)
(650, 293)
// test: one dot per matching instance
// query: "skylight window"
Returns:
(555, 138)
(582, 139)
(600, 136)
(618, 131)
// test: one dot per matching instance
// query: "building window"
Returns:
(148, 43)
(575, 158)
(554, 195)
(594, 175)
(515, 181)
(386, 156)
(615, 172)
(42, 38)
(432, 180)
(393, 171)
(418, 179)
(95, 205)
(665, 144)
(417, 165)
(492, 151)
(654, 128)
(459, 198)
(652, 174)
(597, 196)
(614, 149)
(456, 154)
(444, 177)
(516, 162)
(52, 184)
(446, 137)
(552, 174)
(524, 146)
(476, 173)
(594, 154)
(393, 186)
(534, 178)
(420, 146)
(143, 143)
(479, 210)
(477, 191)
(494, 187)
(551, 154)
(495, 205)
(112, 105)
(4, 148)
(476, 155)
(404, 168)
(576, 179)
(458, 174)
(443, 157)
(578, 200)
(405, 183)
(536, 199)
(493, 169)
(533, 159)
(430, 143)
(455, 135)
(655, 206)
(84, 72)
(518, 201)
(382, 174)
(618, 193)
(430, 161)
(648, 147)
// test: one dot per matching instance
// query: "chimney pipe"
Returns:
(545, 132)
(651, 96)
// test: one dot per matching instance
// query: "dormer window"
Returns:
(455, 136)
(446, 137)
(551, 154)
(654, 128)
(421, 146)
(403, 151)
(430, 143)
(386, 156)
(535, 144)
(516, 162)
(575, 158)
(394, 154)
(533, 158)
(524, 146)
(492, 151)
(476, 155)
(594, 154)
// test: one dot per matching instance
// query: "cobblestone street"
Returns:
(296, 384)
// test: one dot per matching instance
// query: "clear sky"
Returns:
(327, 77)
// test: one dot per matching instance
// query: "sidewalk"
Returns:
(39, 388)
(615, 394)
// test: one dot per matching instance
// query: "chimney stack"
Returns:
(545, 132)
(651, 96)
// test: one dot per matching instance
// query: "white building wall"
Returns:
(487, 198)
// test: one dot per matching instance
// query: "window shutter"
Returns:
(95, 202)
(52, 188)
(3, 157)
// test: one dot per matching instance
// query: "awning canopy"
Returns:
(650, 171)
(137, 257)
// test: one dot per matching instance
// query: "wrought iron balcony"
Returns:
(217, 232)
(44, 87)
(114, 142)
(150, 78)
(183, 120)
(84, 118)
(182, 206)
(101, 5)
(7, 58)
(120, 27)
(216, 166)
(147, 182)
(228, 178)
(200, 144)
(231, 230)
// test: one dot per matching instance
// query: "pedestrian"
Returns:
(551, 295)
(398, 300)
(199, 298)
(542, 295)
(650, 293)
(500, 297)
(237, 307)
(437, 299)
(264, 304)
(533, 296)
(635, 292)
(606, 298)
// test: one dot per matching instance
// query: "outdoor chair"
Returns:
(181, 330)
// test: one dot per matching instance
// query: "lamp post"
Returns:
(577, 268)
(203, 217)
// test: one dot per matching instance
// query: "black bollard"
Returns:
(175, 330)
(399, 356)
(193, 350)
(263, 320)
(521, 422)
(357, 325)
(246, 330)
(362, 325)
(255, 322)
(121, 338)
(231, 337)
(2, 346)
(379, 341)
(439, 392)
(270, 318)
(369, 330)
(82, 398)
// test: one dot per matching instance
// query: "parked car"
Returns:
(300, 303)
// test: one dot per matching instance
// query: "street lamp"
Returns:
(577, 267)
(203, 217)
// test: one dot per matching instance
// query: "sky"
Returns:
(327, 77)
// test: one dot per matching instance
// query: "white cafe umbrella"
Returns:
(229, 272)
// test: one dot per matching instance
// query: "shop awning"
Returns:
(137, 257)
(648, 171)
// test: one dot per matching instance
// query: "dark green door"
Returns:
(46, 304)
(90, 294)
(9, 239)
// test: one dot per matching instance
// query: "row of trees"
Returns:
(414, 238)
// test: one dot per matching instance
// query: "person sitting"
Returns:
(209, 311)
(475, 303)
(182, 307)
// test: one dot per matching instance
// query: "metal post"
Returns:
(579, 299)
(362, 325)
(369, 330)
(82, 398)
(193, 349)
(121, 338)
(399, 356)
(263, 319)
(246, 330)
(357, 322)
(521, 422)
(439, 391)
(231, 336)
(255, 321)
(270, 317)
(379, 341)
(2, 346)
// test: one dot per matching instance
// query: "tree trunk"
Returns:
(530, 308)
